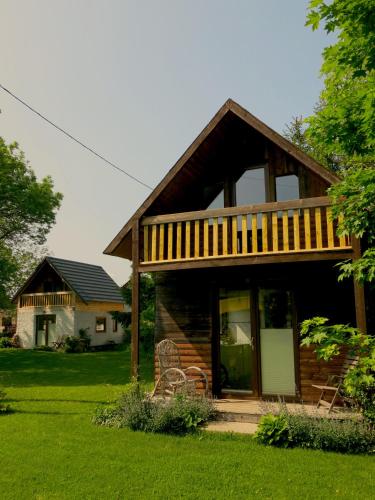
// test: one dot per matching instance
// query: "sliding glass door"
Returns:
(276, 342)
(236, 341)
(256, 342)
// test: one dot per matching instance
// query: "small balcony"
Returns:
(51, 299)
(300, 227)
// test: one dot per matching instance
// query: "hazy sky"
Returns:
(137, 81)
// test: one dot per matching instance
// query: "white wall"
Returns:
(87, 319)
(26, 323)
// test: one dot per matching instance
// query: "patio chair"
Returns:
(173, 378)
(333, 385)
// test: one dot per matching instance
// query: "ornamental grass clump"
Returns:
(135, 410)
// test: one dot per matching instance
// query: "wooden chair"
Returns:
(333, 385)
(173, 378)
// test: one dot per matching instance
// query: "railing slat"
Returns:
(275, 232)
(244, 234)
(285, 231)
(215, 243)
(153, 242)
(196, 238)
(306, 217)
(178, 240)
(187, 240)
(234, 235)
(264, 232)
(161, 242)
(342, 239)
(170, 241)
(205, 238)
(318, 228)
(296, 232)
(254, 233)
(330, 234)
(225, 236)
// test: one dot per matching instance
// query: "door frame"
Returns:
(255, 333)
(47, 317)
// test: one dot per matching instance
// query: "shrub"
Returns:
(328, 434)
(5, 342)
(273, 430)
(77, 344)
(178, 415)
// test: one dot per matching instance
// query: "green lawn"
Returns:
(49, 449)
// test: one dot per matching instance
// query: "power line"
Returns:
(74, 139)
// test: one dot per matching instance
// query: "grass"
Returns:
(49, 448)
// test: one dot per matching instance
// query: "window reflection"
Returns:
(287, 188)
(250, 187)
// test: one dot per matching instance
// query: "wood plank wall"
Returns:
(184, 311)
(183, 315)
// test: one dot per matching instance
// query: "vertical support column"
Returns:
(359, 292)
(135, 302)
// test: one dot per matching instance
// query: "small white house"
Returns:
(63, 296)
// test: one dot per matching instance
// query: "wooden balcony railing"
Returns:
(297, 226)
(46, 299)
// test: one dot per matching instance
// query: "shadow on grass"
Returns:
(28, 368)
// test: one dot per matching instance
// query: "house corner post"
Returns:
(359, 291)
(135, 303)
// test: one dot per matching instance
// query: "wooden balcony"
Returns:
(51, 299)
(300, 229)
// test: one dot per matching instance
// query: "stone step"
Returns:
(232, 416)
(237, 427)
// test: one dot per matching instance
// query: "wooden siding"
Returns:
(185, 312)
(183, 315)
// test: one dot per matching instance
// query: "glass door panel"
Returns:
(236, 343)
(276, 342)
(45, 329)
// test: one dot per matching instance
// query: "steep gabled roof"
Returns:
(89, 282)
(229, 108)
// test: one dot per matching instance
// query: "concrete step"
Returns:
(232, 416)
(237, 427)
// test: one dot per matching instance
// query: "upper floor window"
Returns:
(287, 188)
(251, 188)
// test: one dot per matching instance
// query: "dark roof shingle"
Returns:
(90, 282)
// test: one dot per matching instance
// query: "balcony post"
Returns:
(135, 302)
(359, 291)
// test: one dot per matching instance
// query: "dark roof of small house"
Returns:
(90, 282)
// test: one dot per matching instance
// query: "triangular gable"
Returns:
(230, 106)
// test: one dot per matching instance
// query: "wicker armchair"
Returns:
(173, 378)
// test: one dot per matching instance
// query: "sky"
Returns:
(137, 81)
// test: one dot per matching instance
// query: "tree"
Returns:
(28, 210)
(147, 309)
(343, 123)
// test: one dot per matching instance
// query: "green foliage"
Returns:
(329, 341)
(5, 342)
(329, 434)
(27, 212)
(344, 120)
(273, 430)
(288, 430)
(147, 311)
(179, 415)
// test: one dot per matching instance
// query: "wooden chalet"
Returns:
(240, 237)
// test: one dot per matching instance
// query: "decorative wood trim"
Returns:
(318, 201)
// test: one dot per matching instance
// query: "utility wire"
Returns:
(74, 139)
